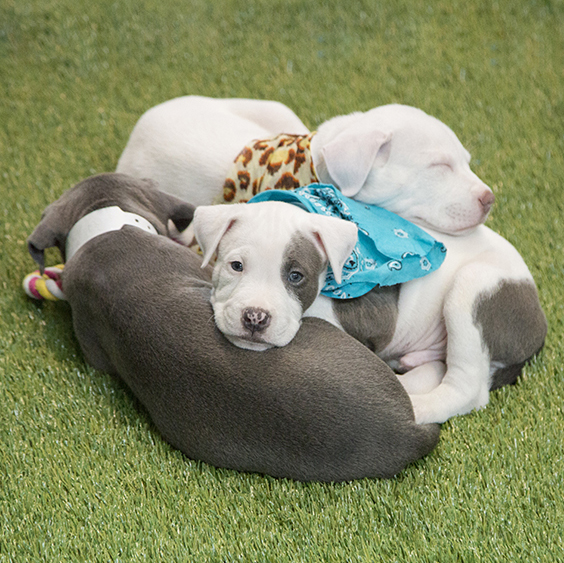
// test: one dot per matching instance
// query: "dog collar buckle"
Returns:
(102, 221)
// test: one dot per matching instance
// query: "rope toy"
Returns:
(47, 286)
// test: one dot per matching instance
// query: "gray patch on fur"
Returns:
(303, 256)
(371, 318)
(513, 327)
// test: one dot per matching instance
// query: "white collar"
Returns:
(102, 221)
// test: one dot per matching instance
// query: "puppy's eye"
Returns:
(237, 266)
(295, 277)
(442, 166)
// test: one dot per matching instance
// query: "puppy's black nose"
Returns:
(255, 319)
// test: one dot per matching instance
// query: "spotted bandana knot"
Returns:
(281, 163)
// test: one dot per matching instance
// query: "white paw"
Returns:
(439, 406)
(425, 411)
(423, 379)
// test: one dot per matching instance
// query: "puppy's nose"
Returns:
(486, 200)
(255, 319)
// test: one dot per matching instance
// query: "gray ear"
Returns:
(172, 208)
(182, 215)
(46, 235)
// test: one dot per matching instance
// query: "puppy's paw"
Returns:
(441, 404)
(422, 409)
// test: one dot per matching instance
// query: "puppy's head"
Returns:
(407, 162)
(271, 264)
(104, 190)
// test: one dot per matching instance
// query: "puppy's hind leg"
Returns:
(465, 385)
(424, 378)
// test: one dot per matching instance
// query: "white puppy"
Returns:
(271, 265)
(394, 156)
(455, 334)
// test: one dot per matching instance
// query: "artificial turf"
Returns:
(84, 475)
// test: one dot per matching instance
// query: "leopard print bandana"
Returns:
(281, 163)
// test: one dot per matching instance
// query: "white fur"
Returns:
(405, 161)
(188, 144)
(447, 376)
(394, 156)
(256, 235)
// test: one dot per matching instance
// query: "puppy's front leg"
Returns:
(465, 385)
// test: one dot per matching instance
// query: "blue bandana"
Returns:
(390, 249)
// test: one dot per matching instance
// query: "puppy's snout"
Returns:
(255, 319)
(486, 200)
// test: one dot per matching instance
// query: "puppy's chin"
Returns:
(257, 344)
(249, 344)
(441, 226)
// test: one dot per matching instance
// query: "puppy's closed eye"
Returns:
(442, 166)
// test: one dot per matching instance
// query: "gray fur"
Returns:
(371, 318)
(322, 408)
(303, 256)
(104, 190)
(513, 327)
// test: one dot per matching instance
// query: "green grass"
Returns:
(84, 475)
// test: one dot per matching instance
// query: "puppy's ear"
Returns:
(45, 235)
(336, 239)
(182, 216)
(350, 156)
(177, 213)
(179, 220)
(211, 222)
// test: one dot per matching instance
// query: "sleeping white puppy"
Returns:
(393, 156)
(456, 333)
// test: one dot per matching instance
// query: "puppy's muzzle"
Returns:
(255, 319)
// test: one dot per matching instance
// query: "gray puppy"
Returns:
(322, 408)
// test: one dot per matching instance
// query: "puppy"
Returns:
(455, 334)
(322, 408)
(393, 156)
(271, 265)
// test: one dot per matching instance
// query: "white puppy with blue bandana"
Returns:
(453, 334)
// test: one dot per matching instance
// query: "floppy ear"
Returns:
(211, 222)
(349, 157)
(46, 235)
(179, 219)
(174, 209)
(337, 239)
(182, 215)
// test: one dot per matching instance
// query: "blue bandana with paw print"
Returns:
(390, 249)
